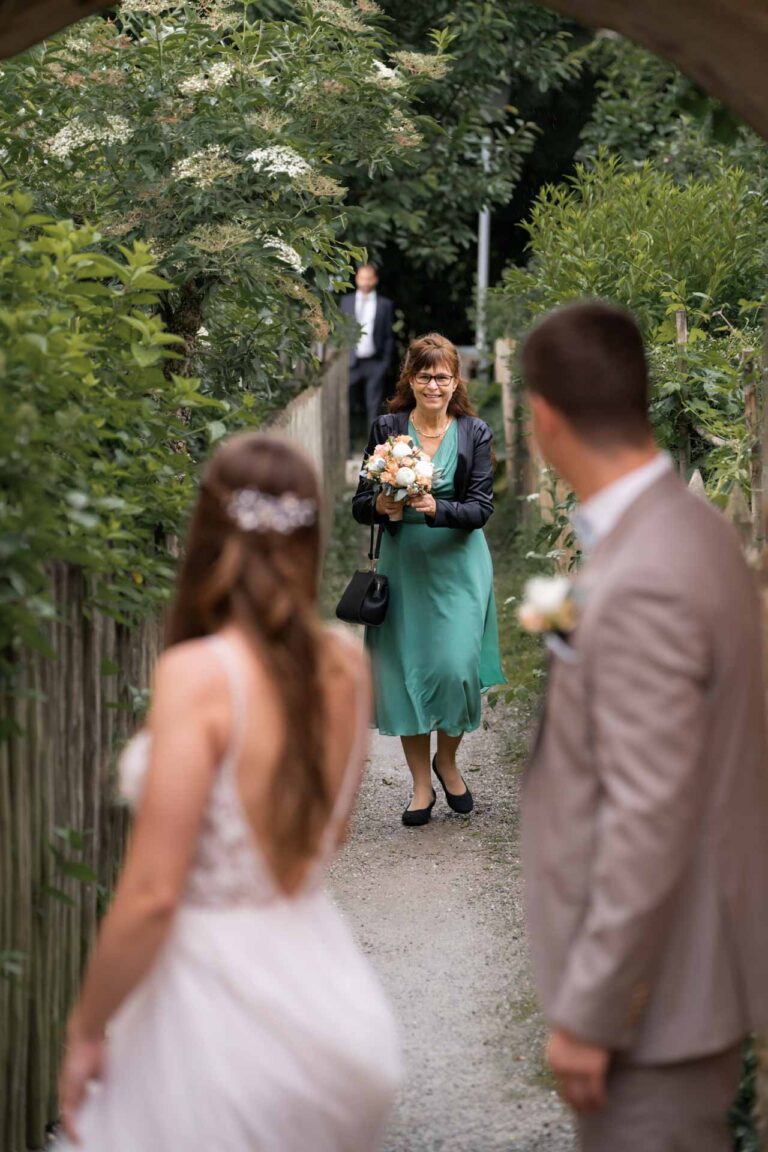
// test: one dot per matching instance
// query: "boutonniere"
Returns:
(549, 610)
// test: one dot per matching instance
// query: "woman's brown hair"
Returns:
(425, 354)
(267, 582)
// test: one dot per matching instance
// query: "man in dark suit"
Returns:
(369, 360)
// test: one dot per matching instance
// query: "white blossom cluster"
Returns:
(422, 64)
(149, 7)
(218, 75)
(77, 44)
(339, 14)
(78, 135)
(384, 76)
(277, 160)
(204, 167)
(285, 252)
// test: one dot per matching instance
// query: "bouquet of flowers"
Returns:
(400, 469)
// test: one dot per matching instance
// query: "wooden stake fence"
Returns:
(68, 718)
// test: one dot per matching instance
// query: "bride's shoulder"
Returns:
(187, 670)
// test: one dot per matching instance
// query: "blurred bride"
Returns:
(226, 1006)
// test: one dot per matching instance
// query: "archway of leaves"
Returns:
(175, 187)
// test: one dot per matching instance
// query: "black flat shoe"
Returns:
(462, 804)
(415, 817)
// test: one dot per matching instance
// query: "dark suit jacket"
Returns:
(472, 502)
(383, 336)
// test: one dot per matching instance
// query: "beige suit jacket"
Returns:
(645, 801)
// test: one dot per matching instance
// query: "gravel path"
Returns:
(438, 909)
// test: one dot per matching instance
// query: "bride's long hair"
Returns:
(266, 581)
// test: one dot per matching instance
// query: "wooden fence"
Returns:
(318, 419)
(68, 718)
(61, 830)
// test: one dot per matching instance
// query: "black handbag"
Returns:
(366, 597)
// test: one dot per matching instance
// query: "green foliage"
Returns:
(642, 239)
(742, 1114)
(190, 163)
(66, 847)
(473, 143)
(647, 109)
(225, 142)
(95, 463)
(639, 238)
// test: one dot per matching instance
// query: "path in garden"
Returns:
(438, 910)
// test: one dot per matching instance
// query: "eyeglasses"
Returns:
(442, 381)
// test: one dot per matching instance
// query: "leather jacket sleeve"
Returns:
(476, 507)
(364, 499)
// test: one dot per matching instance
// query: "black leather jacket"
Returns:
(472, 504)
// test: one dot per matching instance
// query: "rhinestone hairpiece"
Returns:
(255, 511)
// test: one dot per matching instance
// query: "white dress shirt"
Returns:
(599, 515)
(365, 314)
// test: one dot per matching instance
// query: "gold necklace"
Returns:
(431, 435)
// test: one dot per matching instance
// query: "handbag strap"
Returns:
(373, 552)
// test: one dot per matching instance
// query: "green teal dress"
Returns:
(438, 647)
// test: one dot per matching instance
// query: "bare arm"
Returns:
(361, 746)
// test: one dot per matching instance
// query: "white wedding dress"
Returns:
(261, 1027)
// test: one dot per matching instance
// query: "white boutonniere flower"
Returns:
(548, 607)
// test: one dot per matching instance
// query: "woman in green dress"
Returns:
(438, 647)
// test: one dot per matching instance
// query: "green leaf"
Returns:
(146, 357)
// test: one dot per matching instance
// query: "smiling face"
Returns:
(433, 388)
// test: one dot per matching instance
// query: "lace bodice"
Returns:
(228, 867)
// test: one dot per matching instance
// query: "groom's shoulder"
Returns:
(693, 520)
(684, 542)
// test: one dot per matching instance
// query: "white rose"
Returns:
(545, 595)
(377, 464)
(405, 477)
(401, 450)
(425, 469)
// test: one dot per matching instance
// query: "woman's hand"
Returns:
(84, 1061)
(387, 505)
(424, 503)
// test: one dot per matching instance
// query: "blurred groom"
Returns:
(370, 359)
(645, 808)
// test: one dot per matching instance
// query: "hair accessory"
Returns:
(255, 511)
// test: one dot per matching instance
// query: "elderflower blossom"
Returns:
(268, 120)
(338, 12)
(217, 238)
(218, 75)
(318, 185)
(278, 159)
(219, 15)
(404, 131)
(285, 252)
(204, 167)
(149, 7)
(77, 44)
(422, 64)
(384, 76)
(78, 135)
